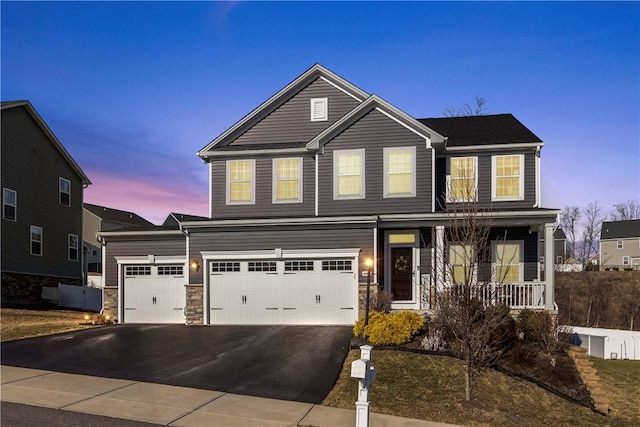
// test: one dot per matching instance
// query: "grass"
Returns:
(620, 379)
(431, 388)
(24, 323)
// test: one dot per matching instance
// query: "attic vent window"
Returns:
(319, 109)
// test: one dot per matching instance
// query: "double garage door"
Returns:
(297, 291)
(154, 293)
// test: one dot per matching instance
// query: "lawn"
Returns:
(620, 379)
(20, 323)
(431, 388)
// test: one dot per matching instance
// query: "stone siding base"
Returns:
(110, 301)
(362, 295)
(26, 289)
(194, 308)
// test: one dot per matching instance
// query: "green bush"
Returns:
(389, 328)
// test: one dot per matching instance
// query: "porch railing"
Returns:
(518, 295)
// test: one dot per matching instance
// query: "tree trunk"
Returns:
(467, 376)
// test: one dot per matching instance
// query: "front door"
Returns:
(402, 273)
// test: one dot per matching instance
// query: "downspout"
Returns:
(538, 183)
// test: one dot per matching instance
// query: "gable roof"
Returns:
(620, 229)
(54, 140)
(374, 102)
(280, 98)
(115, 215)
(175, 218)
(495, 129)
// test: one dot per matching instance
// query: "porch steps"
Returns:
(589, 377)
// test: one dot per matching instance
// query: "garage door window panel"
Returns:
(262, 266)
(298, 266)
(171, 270)
(337, 265)
(137, 270)
(225, 267)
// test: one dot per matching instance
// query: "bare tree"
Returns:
(569, 218)
(625, 211)
(467, 110)
(591, 232)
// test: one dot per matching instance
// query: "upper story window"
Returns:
(319, 109)
(9, 204)
(65, 191)
(507, 177)
(348, 174)
(508, 257)
(462, 179)
(241, 181)
(73, 247)
(399, 172)
(619, 244)
(36, 240)
(287, 180)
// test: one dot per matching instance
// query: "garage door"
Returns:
(300, 291)
(154, 294)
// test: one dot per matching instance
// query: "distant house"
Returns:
(620, 245)
(42, 195)
(559, 250)
(174, 219)
(100, 218)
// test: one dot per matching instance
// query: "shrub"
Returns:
(389, 328)
(381, 301)
(101, 319)
(539, 327)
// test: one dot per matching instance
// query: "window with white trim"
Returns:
(462, 181)
(225, 266)
(337, 265)
(36, 240)
(461, 267)
(287, 180)
(64, 186)
(298, 266)
(620, 244)
(259, 266)
(319, 109)
(507, 177)
(73, 247)
(9, 204)
(399, 172)
(626, 260)
(241, 181)
(170, 270)
(508, 261)
(137, 270)
(348, 174)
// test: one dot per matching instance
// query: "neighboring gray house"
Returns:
(42, 190)
(319, 178)
(100, 218)
(620, 245)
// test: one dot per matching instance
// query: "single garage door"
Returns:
(300, 291)
(154, 294)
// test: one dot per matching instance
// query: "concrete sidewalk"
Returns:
(173, 406)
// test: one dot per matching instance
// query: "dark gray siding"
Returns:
(484, 179)
(140, 246)
(264, 206)
(374, 132)
(291, 122)
(32, 165)
(270, 238)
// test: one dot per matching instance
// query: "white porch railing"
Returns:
(519, 295)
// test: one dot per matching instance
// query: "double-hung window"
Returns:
(9, 204)
(462, 179)
(399, 172)
(36, 240)
(287, 180)
(507, 177)
(73, 247)
(508, 261)
(619, 244)
(241, 181)
(348, 174)
(64, 186)
(461, 268)
(625, 260)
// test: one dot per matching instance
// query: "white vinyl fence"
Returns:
(71, 296)
(607, 343)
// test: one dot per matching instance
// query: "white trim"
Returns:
(149, 259)
(520, 196)
(427, 138)
(252, 199)
(239, 154)
(619, 243)
(31, 227)
(497, 146)
(414, 302)
(69, 247)
(433, 180)
(281, 253)
(274, 180)
(336, 155)
(450, 199)
(60, 192)
(628, 258)
(341, 89)
(316, 185)
(210, 190)
(365, 219)
(14, 205)
(494, 254)
(138, 233)
(538, 179)
(323, 104)
(385, 191)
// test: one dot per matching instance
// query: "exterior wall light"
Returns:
(195, 265)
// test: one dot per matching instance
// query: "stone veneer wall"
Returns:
(110, 301)
(362, 295)
(194, 307)
(27, 289)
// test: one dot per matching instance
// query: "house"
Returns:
(100, 218)
(42, 191)
(318, 179)
(620, 245)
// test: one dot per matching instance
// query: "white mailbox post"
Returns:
(366, 374)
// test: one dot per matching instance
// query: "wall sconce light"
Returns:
(195, 265)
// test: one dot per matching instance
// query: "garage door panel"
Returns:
(154, 294)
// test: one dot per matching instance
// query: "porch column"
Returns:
(549, 270)
(438, 262)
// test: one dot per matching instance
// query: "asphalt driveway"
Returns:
(299, 363)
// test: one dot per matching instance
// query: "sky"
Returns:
(134, 89)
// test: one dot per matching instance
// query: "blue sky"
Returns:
(134, 89)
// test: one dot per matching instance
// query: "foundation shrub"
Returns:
(389, 328)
